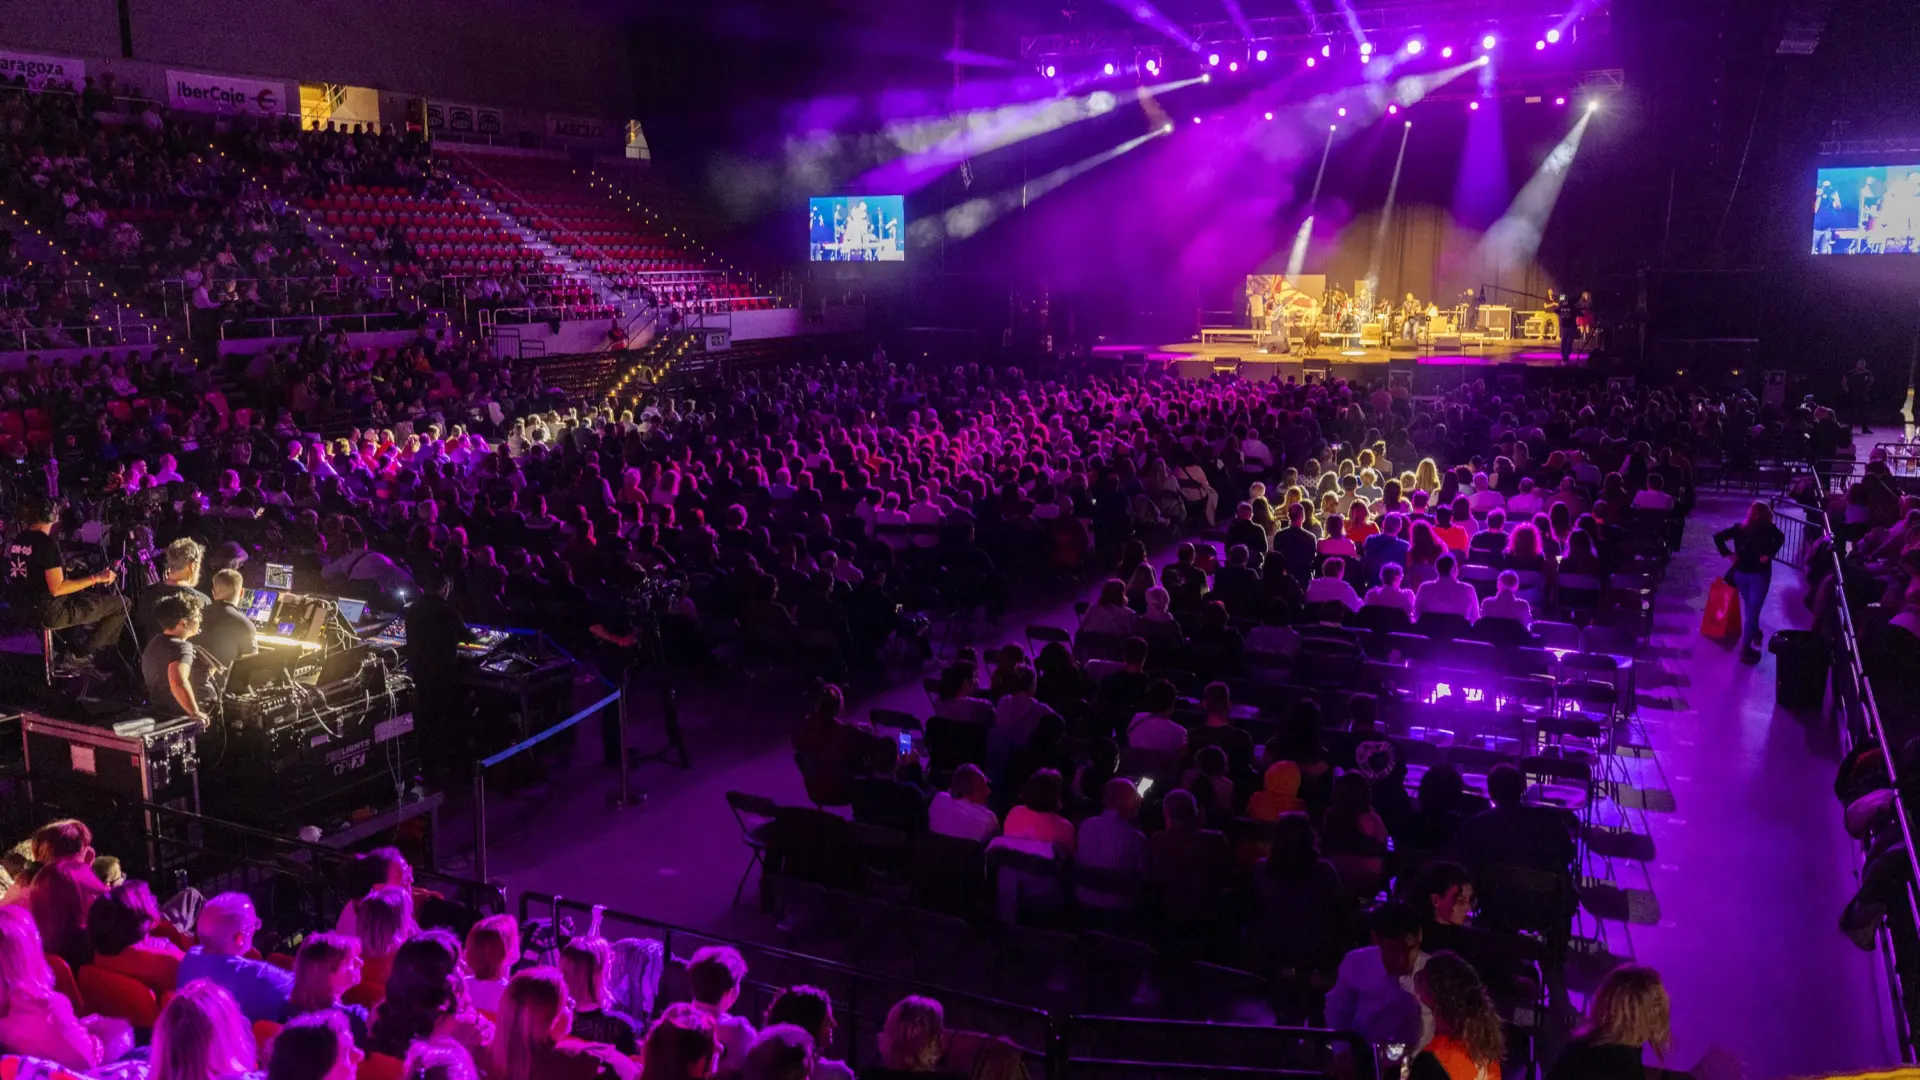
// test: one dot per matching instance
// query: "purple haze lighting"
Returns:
(1213, 60)
(1261, 56)
(1553, 36)
(1446, 52)
(1489, 42)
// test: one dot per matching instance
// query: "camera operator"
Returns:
(41, 593)
(166, 664)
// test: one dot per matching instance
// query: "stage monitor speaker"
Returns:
(1510, 379)
(1316, 369)
(1225, 365)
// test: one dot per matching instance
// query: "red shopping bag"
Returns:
(1722, 618)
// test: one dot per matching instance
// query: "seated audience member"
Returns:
(1485, 500)
(586, 962)
(438, 1059)
(1331, 586)
(1157, 621)
(367, 872)
(1446, 594)
(1448, 531)
(1654, 496)
(1373, 994)
(1388, 547)
(1059, 684)
(714, 975)
(782, 1052)
(385, 922)
(959, 695)
(962, 809)
(121, 926)
(62, 887)
(226, 634)
(1390, 593)
(1467, 1042)
(1188, 865)
(1513, 833)
(1627, 1012)
(1526, 503)
(327, 966)
(37, 1020)
(493, 944)
(201, 1035)
(1113, 843)
(1216, 701)
(1110, 614)
(915, 1039)
(837, 751)
(1279, 792)
(892, 800)
(1492, 540)
(532, 1041)
(682, 1045)
(1295, 545)
(1038, 817)
(1352, 836)
(1581, 557)
(1437, 813)
(1155, 729)
(426, 998)
(317, 1046)
(1296, 918)
(811, 1010)
(1127, 687)
(1506, 603)
(1443, 894)
(226, 927)
(1335, 542)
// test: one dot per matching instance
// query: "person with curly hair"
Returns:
(1467, 1041)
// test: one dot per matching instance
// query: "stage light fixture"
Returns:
(1333, 127)
(1489, 42)
(1326, 50)
(1393, 110)
(1108, 69)
(1473, 106)
(1309, 61)
(1153, 68)
(1049, 71)
(1553, 36)
(1208, 77)
(1485, 60)
(1559, 101)
(1269, 116)
(1213, 60)
(1593, 106)
(1366, 48)
(1414, 45)
(1233, 65)
(1261, 56)
(1409, 123)
(1343, 110)
(1168, 130)
(1196, 119)
(1446, 52)
(1540, 46)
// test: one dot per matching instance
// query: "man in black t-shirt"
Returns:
(182, 569)
(166, 664)
(41, 594)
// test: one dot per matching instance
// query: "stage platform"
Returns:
(1198, 360)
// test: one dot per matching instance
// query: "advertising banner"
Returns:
(41, 72)
(464, 119)
(225, 94)
(575, 127)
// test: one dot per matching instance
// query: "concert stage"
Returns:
(1205, 359)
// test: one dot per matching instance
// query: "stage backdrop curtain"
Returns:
(1426, 254)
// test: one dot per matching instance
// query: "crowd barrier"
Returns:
(1058, 1045)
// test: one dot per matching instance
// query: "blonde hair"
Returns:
(383, 920)
(320, 956)
(1630, 1008)
(912, 1038)
(528, 1010)
(492, 944)
(201, 1035)
(585, 963)
(1426, 475)
(24, 974)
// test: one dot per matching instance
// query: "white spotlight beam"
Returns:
(971, 217)
(1514, 240)
(1297, 258)
(1386, 216)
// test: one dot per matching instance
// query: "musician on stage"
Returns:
(1563, 307)
(166, 664)
(42, 595)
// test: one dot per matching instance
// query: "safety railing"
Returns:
(612, 700)
(295, 325)
(1802, 528)
(176, 295)
(1057, 1044)
(98, 335)
(545, 313)
(1856, 715)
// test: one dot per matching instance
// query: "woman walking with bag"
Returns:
(1754, 542)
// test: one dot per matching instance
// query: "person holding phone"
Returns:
(1113, 843)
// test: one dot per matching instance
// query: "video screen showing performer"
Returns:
(1873, 210)
(860, 228)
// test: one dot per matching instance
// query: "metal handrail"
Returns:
(1866, 724)
(282, 325)
(126, 334)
